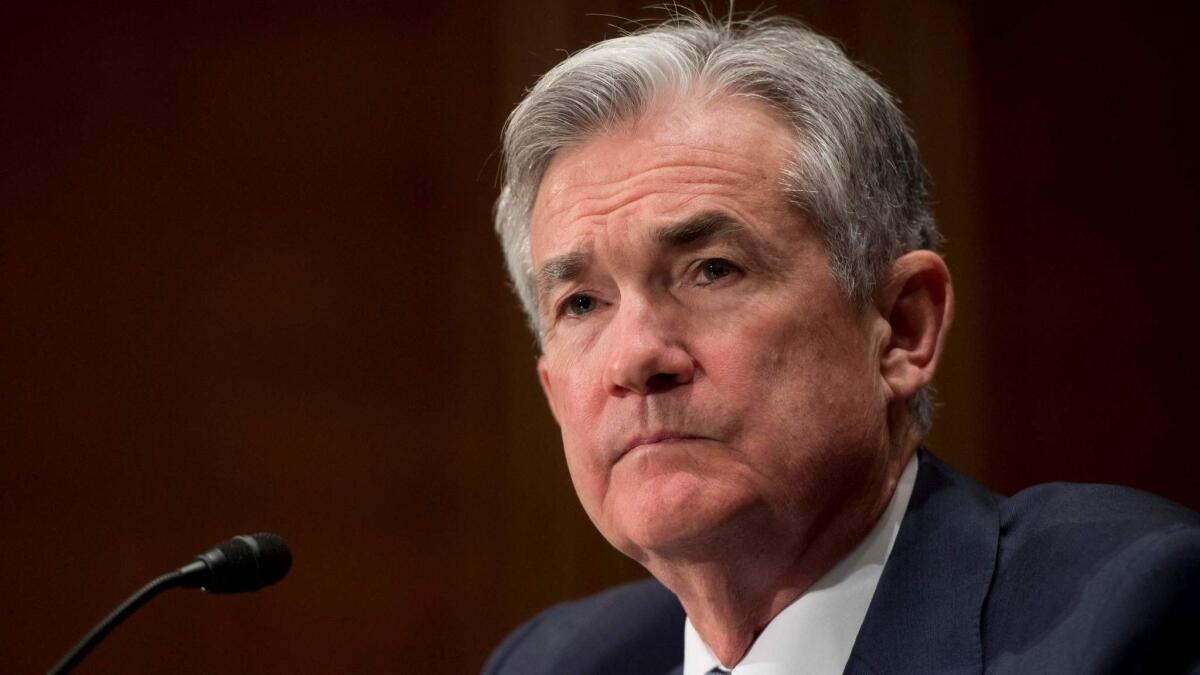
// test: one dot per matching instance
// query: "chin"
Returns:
(674, 514)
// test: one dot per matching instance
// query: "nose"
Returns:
(647, 357)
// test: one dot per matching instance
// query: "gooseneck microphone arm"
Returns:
(114, 619)
(244, 563)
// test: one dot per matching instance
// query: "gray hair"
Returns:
(855, 171)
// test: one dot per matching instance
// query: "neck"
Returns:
(731, 595)
(731, 599)
(728, 611)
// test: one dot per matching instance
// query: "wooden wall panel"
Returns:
(1088, 244)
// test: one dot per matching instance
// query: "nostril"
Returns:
(644, 362)
(661, 382)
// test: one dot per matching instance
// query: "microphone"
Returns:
(242, 564)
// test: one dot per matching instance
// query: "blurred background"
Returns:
(248, 282)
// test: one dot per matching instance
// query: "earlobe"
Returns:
(917, 302)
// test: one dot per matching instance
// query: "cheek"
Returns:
(760, 349)
(578, 402)
(794, 371)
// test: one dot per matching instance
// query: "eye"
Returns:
(714, 269)
(578, 305)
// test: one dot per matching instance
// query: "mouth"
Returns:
(647, 441)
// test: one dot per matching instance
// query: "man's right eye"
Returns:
(578, 304)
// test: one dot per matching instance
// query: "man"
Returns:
(720, 235)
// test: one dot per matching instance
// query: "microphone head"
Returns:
(246, 563)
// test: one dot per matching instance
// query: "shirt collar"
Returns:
(816, 633)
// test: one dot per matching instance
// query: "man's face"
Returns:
(710, 378)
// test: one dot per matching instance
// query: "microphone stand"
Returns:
(244, 563)
(145, 594)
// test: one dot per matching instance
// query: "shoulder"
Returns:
(1094, 577)
(633, 628)
(1066, 522)
(1078, 503)
(1063, 529)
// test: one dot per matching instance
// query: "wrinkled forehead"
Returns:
(733, 148)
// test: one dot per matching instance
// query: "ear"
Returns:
(544, 379)
(916, 300)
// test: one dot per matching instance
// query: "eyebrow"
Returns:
(558, 270)
(699, 229)
(696, 231)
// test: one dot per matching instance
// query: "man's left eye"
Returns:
(715, 269)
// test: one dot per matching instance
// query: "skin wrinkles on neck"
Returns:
(730, 599)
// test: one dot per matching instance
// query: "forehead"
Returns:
(727, 154)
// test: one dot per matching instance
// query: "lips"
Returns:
(657, 437)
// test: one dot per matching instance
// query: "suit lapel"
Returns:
(925, 614)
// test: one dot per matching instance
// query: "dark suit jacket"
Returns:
(1056, 579)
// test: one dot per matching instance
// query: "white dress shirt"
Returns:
(816, 632)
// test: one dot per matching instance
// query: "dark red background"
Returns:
(249, 282)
